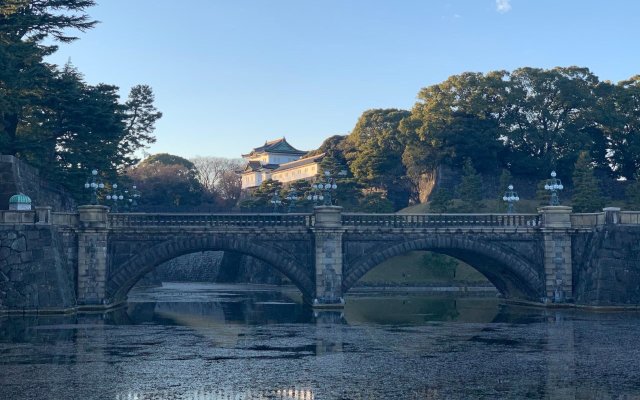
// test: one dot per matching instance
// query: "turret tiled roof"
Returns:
(276, 146)
(254, 166)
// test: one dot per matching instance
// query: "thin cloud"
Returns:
(503, 6)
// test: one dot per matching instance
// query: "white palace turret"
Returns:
(280, 161)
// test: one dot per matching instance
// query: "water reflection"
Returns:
(224, 342)
(226, 394)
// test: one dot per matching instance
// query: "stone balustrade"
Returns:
(439, 220)
(209, 220)
(360, 220)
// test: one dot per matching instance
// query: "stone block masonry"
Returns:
(608, 271)
(35, 275)
(17, 176)
(90, 260)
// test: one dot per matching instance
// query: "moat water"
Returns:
(198, 341)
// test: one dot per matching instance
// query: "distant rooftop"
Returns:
(300, 162)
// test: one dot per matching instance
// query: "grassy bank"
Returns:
(422, 268)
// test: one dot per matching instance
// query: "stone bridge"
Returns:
(528, 257)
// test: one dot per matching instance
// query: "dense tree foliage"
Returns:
(50, 116)
(374, 153)
(622, 125)
(470, 189)
(166, 180)
(441, 201)
(633, 194)
(375, 203)
(587, 196)
(525, 122)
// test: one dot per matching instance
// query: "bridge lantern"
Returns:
(20, 202)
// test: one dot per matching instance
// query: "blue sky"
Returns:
(229, 75)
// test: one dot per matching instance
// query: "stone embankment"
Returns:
(17, 176)
(35, 274)
(607, 267)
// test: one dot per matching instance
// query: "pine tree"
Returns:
(440, 201)
(470, 189)
(376, 203)
(586, 187)
(266, 192)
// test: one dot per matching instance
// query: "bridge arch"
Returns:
(131, 271)
(512, 275)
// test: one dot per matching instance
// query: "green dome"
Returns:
(20, 198)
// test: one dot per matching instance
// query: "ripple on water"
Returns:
(265, 345)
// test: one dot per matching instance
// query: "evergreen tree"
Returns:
(440, 201)
(633, 193)
(51, 117)
(348, 194)
(374, 152)
(140, 116)
(376, 203)
(24, 27)
(586, 186)
(470, 189)
(302, 188)
(266, 192)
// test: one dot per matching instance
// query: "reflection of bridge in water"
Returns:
(552, 349)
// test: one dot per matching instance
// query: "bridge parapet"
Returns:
(133, 220)
(65, 219)
(17, 217)
(440, 220)
(630, 217)
(587, 220)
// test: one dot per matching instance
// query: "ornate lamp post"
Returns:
(511, 197)
(315, 195)
(553, 185)
(276, 202)
(292, 197)
(93, 183)
(135, 195)
(131, 198)
(115, 197)
(324, 187)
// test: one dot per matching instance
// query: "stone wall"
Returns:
(35, 274)
(195, 267)
(607, 266)
(18, 177)
(215, 266)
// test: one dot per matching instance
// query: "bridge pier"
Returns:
(92, 257)
(328, 232)
(558, 267)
